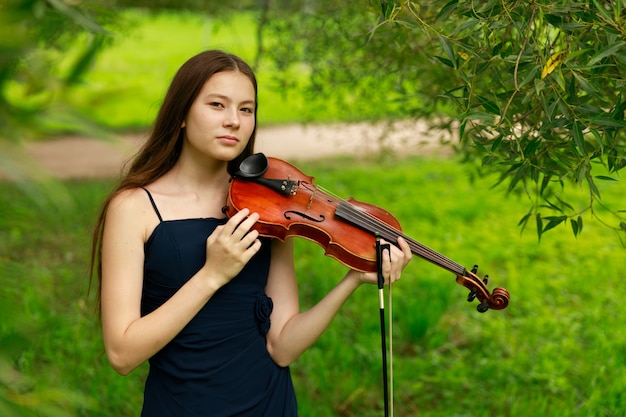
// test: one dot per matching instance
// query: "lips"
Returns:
(227, 139)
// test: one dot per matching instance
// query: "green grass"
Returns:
(558, 350)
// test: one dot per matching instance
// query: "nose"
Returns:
(231, 118)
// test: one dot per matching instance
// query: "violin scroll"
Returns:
(496, 300)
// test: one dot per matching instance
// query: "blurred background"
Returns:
(524, 100)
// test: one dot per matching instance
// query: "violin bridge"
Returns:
(308, 206)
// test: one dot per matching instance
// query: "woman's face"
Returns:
(221, 118)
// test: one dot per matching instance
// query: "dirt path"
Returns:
(76, 157)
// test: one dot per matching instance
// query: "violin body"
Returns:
(308, 213)
(289, 204)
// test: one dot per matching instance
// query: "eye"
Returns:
(247, 110)
(216, 104)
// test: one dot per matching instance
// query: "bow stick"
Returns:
(381, 301)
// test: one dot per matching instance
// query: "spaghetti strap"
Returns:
(156, 210)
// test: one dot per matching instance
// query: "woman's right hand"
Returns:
(230, 247)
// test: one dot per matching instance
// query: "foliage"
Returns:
(124, 87)
(33, 34)
(558, 349)
(535, 90)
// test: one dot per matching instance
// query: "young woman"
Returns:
(208, 302)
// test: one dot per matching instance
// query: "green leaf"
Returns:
(496, 143)
(602, 11)
(539, 85)
(524, 221)
(564, 203)
(448, 49)
(480, 115)
(605, 120)
(489, 105)
(554, 222)
(592, 186)
(531, 147)
(609, 50)
(521, 171)
(598, 138)
(530, 76)
(574, 224)
(77, 16)
(85, 60)
(445, 61)
(539, 226)
(552, 206)
(447, 9)
(590, 89)
(464, 26)
(544, 184)
(605, 178)
(462, 129)
(578, 137)
(387, 8)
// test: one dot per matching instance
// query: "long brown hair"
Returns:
(162, 149)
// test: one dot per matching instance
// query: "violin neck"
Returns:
(429, 254)
(351, 214)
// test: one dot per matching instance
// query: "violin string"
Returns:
(330, 193)
(374, 224)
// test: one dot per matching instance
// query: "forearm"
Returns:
(303, 329)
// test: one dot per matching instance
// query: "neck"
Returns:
(199, 171)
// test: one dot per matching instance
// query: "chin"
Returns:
(228, 155)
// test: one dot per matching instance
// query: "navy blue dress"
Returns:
(218, 365)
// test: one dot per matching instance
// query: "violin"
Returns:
(290, 204)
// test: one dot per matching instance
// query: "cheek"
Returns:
(251, 123)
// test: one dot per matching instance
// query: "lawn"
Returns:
(557, 350)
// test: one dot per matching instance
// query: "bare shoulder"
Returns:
(131, 210)
(132, 201)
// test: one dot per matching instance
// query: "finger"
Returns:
(249, 239)
(215, 235)
(240, 223)
(234, 221)
(406, 249)
(245, 227)
(251, 251)
(387, 267)
(398, 258)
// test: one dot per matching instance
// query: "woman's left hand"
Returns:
(394, 261)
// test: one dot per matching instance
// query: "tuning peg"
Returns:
(486, 279)
(471, 296)
(482, 307)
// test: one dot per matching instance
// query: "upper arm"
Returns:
(122, 263)
(282, 287)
